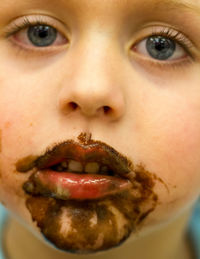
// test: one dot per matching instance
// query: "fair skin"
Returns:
(151, 117)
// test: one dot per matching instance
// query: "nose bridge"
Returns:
(95, 55)
(93, 85)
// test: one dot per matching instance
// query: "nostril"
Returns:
(89, 110)
(72, 105)
(107, 109)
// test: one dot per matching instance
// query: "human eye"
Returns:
(36, 33)
(164, 46)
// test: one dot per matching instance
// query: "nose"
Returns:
(92, 87)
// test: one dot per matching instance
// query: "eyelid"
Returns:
(21, 23)
(151, 64)
(168, 32)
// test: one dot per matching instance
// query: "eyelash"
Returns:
(173, 35)
(169, 33)
(14, 28)
(176, 36)
(25, 23)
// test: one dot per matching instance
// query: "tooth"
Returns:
(64, 164)
(59, 168)
(75, 166)
(92, 168)
(104, 169)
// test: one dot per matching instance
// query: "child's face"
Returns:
(126, 73)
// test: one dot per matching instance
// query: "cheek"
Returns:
(19, 112)
(175, 139)
(166, 137)
(22, 103)
(181, 142)
(15, 137)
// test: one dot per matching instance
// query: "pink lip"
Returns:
(66, 185)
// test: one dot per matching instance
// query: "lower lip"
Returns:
(67, 185)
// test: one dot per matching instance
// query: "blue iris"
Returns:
(160, 47)
(42, 35)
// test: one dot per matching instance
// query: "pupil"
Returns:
(160, 47)
(42, 35)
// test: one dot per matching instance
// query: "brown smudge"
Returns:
(91, 150)
(83, 238)
(161, 181)
(26, 164)
(85, 138)
(130, 207)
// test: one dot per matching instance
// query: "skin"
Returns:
(152, 111)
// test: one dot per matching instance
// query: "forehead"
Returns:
(116, 12)
(104, 4)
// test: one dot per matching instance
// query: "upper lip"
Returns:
(93, 152)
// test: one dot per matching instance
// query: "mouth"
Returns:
(87, 197)
(80, 172)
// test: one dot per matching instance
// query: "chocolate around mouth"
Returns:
(93, 151)
(86, 227)
(90, 226)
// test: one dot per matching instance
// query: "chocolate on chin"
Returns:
(89, 226)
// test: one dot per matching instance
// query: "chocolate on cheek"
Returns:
(26, 164)
(95, 225)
